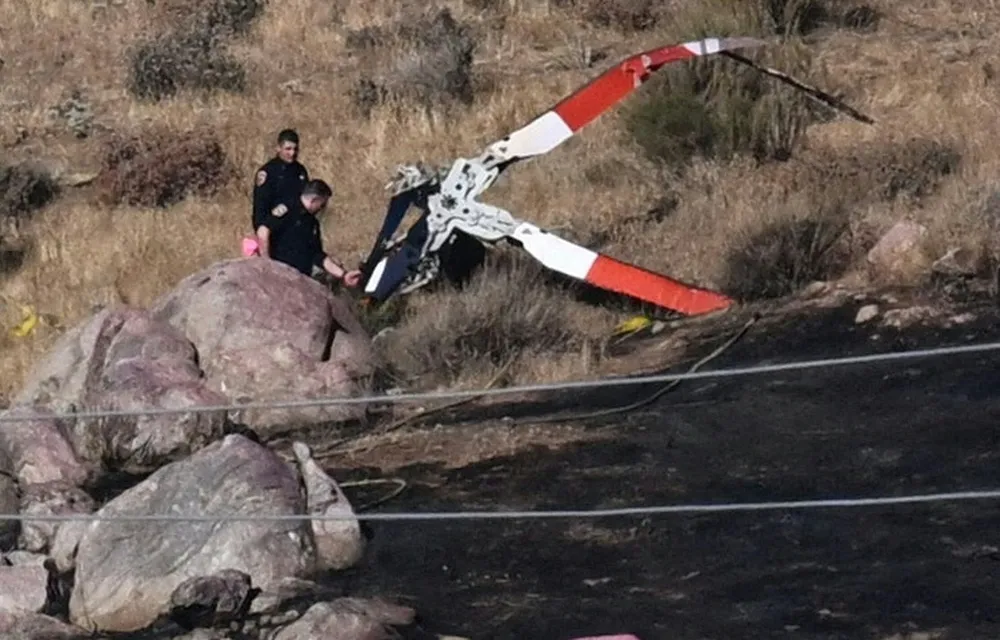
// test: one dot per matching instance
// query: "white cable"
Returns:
(556, 386)
(519, 515)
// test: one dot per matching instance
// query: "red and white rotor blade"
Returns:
(608, 273)
(557, 125)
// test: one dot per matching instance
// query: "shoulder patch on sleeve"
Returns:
(279, 211)
(261, 177)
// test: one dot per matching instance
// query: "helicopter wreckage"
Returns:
(453, 219)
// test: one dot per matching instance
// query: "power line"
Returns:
(521, 515)
(534, 388)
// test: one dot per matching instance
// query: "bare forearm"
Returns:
(264, 241)
(333, 268)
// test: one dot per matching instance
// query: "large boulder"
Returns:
(122, 360)
(47, 473)
(127, 571)
(36, 626)
(264, 332)
(39, 448)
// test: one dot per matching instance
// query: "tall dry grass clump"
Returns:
(508, 316)
(709, 173)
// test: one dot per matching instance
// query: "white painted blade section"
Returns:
(554, 252)
(376, 276)
(704, 47)
(541, 135)
(710, 46)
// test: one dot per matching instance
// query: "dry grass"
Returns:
(923, 70)
(455, 447)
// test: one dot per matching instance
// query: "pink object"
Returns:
(250, 247)
(626, 636)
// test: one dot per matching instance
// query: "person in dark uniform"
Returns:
(280, 179)
(291, 234)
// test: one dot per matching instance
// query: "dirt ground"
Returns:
(912, 571)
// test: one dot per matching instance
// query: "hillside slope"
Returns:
(706, 194)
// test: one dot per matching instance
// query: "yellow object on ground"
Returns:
(632, 325)
(28, 323)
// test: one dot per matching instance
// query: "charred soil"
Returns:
(925, 425)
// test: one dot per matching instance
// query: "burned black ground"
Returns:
(909, 427)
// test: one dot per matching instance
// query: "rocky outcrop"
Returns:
(121, 360)
(127, 571)
(264, 332)
(162, 379)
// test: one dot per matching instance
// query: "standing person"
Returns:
(279, 180)
(291, 234)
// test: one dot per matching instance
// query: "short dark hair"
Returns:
(317, 188)
(288, 135)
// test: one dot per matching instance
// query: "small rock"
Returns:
(77, 179)
(899, 252)
(49, 499)
(293, 86)
(902, 318)
(273, 599)
(23, 588)
(866, 313)
(339, 543)
(816, 289)
(348, 619)
(208, 601)
(957, 261)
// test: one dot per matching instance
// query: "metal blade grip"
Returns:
(557, 125)
(604, 272)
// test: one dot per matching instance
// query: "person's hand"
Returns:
(352, 278)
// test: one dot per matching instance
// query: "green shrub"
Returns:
(715, 108)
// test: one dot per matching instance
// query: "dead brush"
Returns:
(824, 236)
(24, 188)
(158, 167)
(504, 313)
(222, 18)
(788, 254)
(913, 168)
(428, 62)
(182, 60)
(806, 16)
(628, 16)
(190, 54)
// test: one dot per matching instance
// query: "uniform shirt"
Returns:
(295, 237)
(277, 181)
